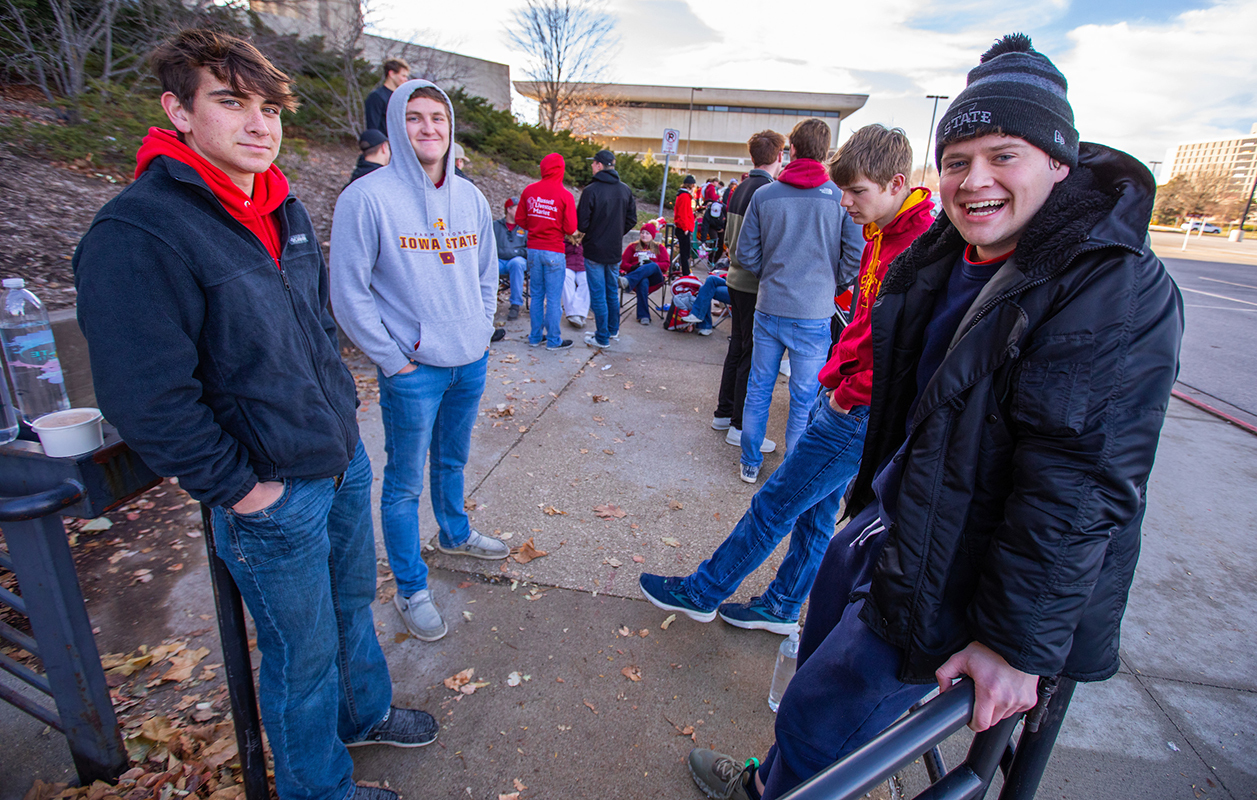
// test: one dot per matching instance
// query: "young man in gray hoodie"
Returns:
(414, 284)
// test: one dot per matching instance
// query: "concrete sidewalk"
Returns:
(563, 432)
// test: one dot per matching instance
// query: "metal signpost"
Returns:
(669, 149)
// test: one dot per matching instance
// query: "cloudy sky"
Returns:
(1143, 74)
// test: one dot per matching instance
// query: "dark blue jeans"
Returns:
(604, 299)
(306, 568)
(546, 272)
(715, 287)
(639, 281)
(801, 498)
(846, 689)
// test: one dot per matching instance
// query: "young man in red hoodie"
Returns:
(203, 296)
(683, 220)
(547, 210)
(803, 495)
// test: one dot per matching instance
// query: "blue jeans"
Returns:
(604, 298)
(305, 566)
(846, 689)
(639, 281)
(808, 342)
(801, 498)
(546, 273)
(515, 268)
(714, 287)
(427, 413)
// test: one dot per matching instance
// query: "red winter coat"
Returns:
(547, 210)
(629, 262)
(849, 371)
(683, 211)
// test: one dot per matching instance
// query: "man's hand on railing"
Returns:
(999, 690)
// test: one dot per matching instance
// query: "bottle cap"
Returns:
(14, 283)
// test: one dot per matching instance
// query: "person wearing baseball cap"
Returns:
(460, 161)
(1025, 349)
(373, 153)
(512, 243)
(606, 211)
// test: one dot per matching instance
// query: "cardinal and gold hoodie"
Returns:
(414, 265)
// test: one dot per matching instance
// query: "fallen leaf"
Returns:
(552, 511)
(643, 633)
(609, 452)
(584, 450)
(519, 785)
(664, 625)
(610, 511)
(469, 505)
(624, 631)
(471, 688)
(590, 706)
(601, 398)
(526, 552)
(628, 384)
(98, 524)
(511, 796)
(181, 665)
(670, 542)
(460, 679)
(675, 505)
(513, 679)
(467, 616)
(632, 673)
(142, 575)
(638, 560)
(614, 562)
(159, 729)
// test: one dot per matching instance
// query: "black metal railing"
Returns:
(920, 732)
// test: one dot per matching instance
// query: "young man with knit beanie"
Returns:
(547, 210)
(1025, 347)
(802, 245)
(203, 297)
(803, 495)
(415, 285)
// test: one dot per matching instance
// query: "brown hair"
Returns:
(394, 65)
(874, 152)
(177, 63)
(433, 93)
(810, 139)
(765, 146)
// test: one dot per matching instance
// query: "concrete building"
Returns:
(714, 123)
(341, 20)
(1235, 156)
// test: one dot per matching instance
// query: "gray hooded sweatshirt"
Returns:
(414, 266)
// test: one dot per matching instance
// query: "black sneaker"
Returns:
(498, 335)
(563, 345)
(721, 777)
(403, 727)
(374, 793)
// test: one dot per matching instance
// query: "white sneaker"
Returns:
(734, 437)
(576, 322)
(704, 331)
(591, 339)
(421, 615)
(690, 318)
(478, 545)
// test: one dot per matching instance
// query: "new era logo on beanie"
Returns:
(1019, 92)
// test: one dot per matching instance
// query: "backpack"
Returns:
(684, 290)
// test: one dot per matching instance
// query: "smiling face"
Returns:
(645, 237)
(993, 186)
(428, 128)
(867, 202)
(236, 131)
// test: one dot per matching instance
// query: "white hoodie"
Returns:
(413, 265)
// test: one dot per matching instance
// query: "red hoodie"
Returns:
(547, 209)
(849, 371)
(804, 173)
(683, 210)
(270, 188)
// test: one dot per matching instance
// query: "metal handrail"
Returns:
(34, 506)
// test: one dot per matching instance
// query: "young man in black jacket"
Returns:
(605, 213)
(203, 297)
(1025, 348)
(375, 106)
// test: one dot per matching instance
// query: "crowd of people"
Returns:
(989, 416)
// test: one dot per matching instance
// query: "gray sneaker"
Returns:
(422, 617)
(748, 473)
(719, 776)
(478, 546)
(734, 437)
(401, 727)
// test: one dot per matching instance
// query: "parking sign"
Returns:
(670, 139)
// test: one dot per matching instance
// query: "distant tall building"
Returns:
(1235, 156)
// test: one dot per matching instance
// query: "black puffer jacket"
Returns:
(605, 213)
(1018, 516)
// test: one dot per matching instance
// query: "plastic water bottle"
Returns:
(8, 413)
(787, 660)
(31, 353)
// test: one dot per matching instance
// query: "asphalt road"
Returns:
(1218, 280)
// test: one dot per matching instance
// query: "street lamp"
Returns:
(929, 136)
(689, 133)
(1154, 164)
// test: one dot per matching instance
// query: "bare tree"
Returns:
(568, 44)
(54, 49)
(1198, 194)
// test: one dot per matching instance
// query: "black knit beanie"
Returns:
(1018, 91)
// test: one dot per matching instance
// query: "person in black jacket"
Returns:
(1025, 349)
(203, 296)
(374, 153)
(605, 213)
(375, 106)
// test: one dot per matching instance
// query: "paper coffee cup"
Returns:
(69, 433)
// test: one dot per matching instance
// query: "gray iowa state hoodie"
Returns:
(413, 265)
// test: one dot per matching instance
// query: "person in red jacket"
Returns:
(547, 210)
(642, 268)
(803, 495)
(683, 219)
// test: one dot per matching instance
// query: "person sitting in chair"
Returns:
(642, 268)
